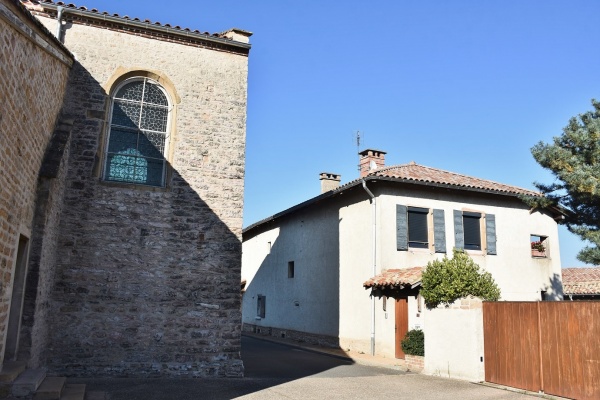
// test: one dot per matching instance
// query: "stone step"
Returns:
(73, 392)
(50, 389)
(28, 382)
(95, 395)
(11, 369)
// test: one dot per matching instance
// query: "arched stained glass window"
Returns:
(138, 134)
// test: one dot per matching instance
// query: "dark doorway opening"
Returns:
(16, 302)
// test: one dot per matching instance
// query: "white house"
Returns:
(305, 267)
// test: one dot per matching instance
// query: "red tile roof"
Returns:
(32, 4)
(423, 174)
(581, 280)
(417, 174)
(396, 278)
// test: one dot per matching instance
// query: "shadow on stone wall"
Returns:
(146, 280)
(42, 259)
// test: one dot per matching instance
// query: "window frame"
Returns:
(471, 216)
(424, 215)
(167, 133)
(436, 229)
(261, 301)
(542, 239)
(487, 231)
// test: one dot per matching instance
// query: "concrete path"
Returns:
(408, 386)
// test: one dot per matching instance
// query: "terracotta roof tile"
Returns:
(124, 17)
(421, 173)
(581, 280)
(396, 278)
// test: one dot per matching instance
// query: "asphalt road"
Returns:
(276, 371)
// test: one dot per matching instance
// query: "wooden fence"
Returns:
(553, 347)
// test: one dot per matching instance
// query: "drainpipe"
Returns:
(59, 14)
(374, 207)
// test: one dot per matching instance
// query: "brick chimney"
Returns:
(329, 181)
(370, 160)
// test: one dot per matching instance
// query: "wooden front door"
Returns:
(401, 324)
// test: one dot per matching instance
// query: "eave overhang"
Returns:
(154, 30)
(249, 230)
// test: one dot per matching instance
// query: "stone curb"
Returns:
(298, 346)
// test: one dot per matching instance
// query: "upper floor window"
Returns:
(418, 232)
(473, 230)
(137, 137)
(539, 245)
(418, 227)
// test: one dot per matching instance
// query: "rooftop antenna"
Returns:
(359, 137)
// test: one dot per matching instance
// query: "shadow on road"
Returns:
(264, 359)
(266, 365)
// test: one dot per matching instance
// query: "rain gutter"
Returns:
(59, 13)
(374, 250)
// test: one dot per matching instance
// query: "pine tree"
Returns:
(574, 159)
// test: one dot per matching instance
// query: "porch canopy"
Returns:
(395, 283)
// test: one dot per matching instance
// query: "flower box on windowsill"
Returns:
(538, 253)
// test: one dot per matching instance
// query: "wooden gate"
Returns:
(553, 347)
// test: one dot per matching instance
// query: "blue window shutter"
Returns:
(459, 237)
(439, 231)
(490, 233)
(401, 227)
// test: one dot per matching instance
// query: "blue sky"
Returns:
(465, 86)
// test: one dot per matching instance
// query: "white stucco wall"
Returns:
(356, 266)
(454, 343)
(308, 302)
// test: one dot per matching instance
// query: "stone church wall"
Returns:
(147, 279)
(33, 74)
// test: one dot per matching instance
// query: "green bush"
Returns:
(414, 343)
(447, 280)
